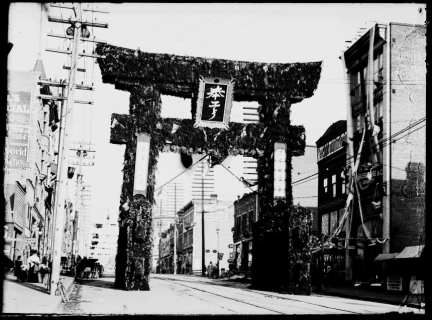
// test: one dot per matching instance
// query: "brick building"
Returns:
(332, 195)
(245, 214)
(386, 115)
(218, 223)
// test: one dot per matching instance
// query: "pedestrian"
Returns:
(17, 268)
(34, 263)
(80, 268)
(209, 269)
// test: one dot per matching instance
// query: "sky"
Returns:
(259, 32)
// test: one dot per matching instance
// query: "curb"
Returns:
(348, 296)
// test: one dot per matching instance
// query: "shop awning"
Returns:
(385, 257)
(410, 252)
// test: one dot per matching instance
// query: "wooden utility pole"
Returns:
(175, 228)
(63, 177)
(66, 125)
(202, 225)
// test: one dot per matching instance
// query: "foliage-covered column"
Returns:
(134, 255)
(275, 261)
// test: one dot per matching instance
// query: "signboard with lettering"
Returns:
(394, 283)
(214, 103)
(31, 241)
(331, 146)
(18, 128)
(215, 214)
(18, 107)
(367, 177)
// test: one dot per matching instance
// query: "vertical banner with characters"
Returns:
(214, 103)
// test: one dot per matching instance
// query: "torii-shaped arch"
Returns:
(274, 85)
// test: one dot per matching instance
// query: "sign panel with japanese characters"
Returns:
(214, 103)
(279, 183)
(141, 164)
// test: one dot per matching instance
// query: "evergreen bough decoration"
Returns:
(281, 253)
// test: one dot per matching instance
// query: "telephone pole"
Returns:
(67, 121)
(175, 228)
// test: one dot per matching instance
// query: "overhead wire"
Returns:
(156, 25)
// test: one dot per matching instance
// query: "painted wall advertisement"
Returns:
(18, 128)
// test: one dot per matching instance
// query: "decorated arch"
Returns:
(281, 235)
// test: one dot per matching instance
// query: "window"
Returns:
(378, 110)
(244, 222)
(325, 185)
(333, 219)
(325, 223)
(343, 183)
(334, 185)
(238, 222)
(251, 219)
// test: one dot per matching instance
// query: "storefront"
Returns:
(406, 270)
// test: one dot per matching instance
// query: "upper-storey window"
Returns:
(325, 185)
(378, 69)
(334, 185)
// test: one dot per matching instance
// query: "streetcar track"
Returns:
(264, 294)
(172, 280)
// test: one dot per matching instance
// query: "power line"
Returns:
(182, 172)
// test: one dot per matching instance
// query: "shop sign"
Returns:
(18, 107)
(17, 156)
(365, 178)
(216, 214)
(331, 147)
(31, 241)
(394, 283)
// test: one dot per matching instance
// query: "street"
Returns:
(180, 294)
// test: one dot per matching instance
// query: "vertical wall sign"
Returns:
(279, 182)
(18, 128)
(141, 164)
(214, 102)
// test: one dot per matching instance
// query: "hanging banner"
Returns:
(141, 164)
(279, 183)
(214, 103)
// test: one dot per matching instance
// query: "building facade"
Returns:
(27, 175)
(386, 107)
(245, 214)
(332, 195)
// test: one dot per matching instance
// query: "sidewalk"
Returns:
(374, 294)
(31, 298)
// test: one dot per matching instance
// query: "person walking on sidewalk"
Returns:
(17, 267)
(34, 263)
(210, 270)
